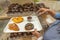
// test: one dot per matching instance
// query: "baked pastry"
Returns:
(29, 26)
(14, 27)
(17, 19)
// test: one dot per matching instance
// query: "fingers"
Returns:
(37, 34)
(35, 30)
(42, 11)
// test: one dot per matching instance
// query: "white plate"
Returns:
(35, 21)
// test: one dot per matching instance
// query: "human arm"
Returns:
(44, 10)
(57, 15)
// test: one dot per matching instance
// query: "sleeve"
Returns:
(52, 33)
(40, 38)
(57, 15)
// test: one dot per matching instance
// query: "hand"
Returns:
(44, 10)
(37, 34)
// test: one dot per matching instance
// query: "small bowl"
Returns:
(29, 18)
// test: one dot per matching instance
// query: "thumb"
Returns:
(35, 30)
